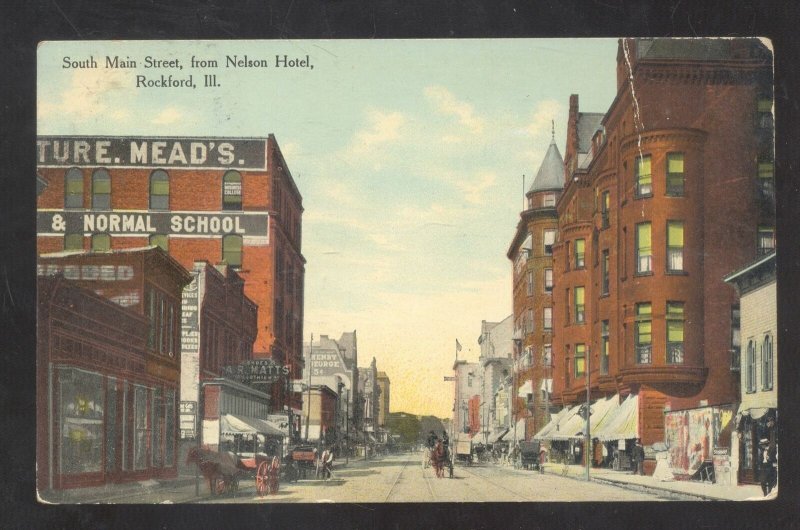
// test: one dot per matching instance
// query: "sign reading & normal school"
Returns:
(143, 222)
(163, 152)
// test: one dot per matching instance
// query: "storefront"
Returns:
(753, 425)
(103, 417)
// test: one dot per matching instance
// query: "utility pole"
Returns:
(588, 442)
(308, 413)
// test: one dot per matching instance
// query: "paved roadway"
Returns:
(400, 478)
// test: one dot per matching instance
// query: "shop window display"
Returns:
(81, 398)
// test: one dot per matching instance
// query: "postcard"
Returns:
(387, 271)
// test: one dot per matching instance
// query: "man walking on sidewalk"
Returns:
(638, 458)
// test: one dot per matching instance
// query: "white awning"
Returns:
(551, 425)
(624, 424)
(526, 388)
(519, 433)
(498, 435)
(313, 432)
(231, 424)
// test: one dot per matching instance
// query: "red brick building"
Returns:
(531, 253)
(674, 192)
(212, 199)
(108, 364)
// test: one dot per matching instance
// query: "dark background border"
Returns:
(23, 24)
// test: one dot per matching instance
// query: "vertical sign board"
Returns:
(190, 352)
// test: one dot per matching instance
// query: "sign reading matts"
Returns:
(133, 152)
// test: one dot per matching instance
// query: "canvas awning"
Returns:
(520, 429)
(570, 426)
(543, 432)
(602, 411)
(575, 427)
(498, 435)
(624, 424)
(232, 424)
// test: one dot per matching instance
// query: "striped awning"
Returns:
(232, 424)
(624, 424)
(543, 432)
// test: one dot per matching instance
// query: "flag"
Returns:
(458, 346)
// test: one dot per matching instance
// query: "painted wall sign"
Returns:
(191, 298)
(255, 371)
(197, 153)
(143, 222)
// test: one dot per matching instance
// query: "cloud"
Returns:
(446, 103)
(545, 112)
(384, 127)
(168, 116)
(475, 190)
(84, 98)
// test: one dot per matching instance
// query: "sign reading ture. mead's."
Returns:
(134, 152)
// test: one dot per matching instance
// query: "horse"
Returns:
(438, 457)
(221, 470)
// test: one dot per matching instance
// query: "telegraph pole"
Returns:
(588, 443)
(308, 413)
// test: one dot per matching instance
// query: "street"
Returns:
(400, 478)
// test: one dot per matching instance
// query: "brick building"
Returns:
(674, 192)
(531, 253)
(108, 364)
(219, 200)
(384, 388)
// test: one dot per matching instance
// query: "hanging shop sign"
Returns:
(188, 419)
(255, 371)
(156, 152)
(143, 222)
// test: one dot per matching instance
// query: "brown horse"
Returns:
(438, 456)
(221, 470)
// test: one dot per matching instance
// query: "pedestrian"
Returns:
(766, 463)
(327, 464)
(542, 455)
(604, 451)
(638, 458)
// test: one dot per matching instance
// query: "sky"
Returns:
(409, 155)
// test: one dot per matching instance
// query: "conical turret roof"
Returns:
(551, 172)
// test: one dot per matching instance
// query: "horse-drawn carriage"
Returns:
(463, 451)
(223, 470)
(439, 457)
(529, 455)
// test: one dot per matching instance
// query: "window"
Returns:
(580, 253)
(101, 190)
(549, 200)
(73, 241)
(101, 242)
(675, 176)
(766, 239)
(604, 347)
(580, 307)
(567, 306)
(644, 249)
(547, 314)
(547, 358)
(567, 245)
(157, 423)
(675, 326)
(159, 190)
(548, 280)
(674, 246)
(160, 240)
(169, 428)
(750, 369)
(644, 333)
(530, 283)
(580, 359)
(766, 180)
(549, 240)
(73, 188)
(80, 395)
(764, 113)
(232, 191)
(141, 430)
(736, 339)
(530, 320)
(604, 264)
(643, 177)
(232, 250)
(605, 207)
(766, 363)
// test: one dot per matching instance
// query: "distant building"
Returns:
(370, 396)
(757, 363)
(384, 386)
(496, 362)
(467, 384)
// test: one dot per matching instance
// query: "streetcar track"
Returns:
(427, 483)
(524, 498)
(396, 479)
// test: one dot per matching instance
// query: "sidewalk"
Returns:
(678, 489)
(146, 491)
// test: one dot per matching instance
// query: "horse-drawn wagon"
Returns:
(224, 469)
(529, 455)
(463, 451)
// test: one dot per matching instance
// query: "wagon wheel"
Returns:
(274, 475)
(220, 485)
(262, 478)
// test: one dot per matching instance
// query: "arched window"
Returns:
(750, 366)
(73, 241)
(159, 190)
(73, 188)
(232, 191)
(160, 240)
(232, 250)
(101, 242)
(766, 362)
(101, 190)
